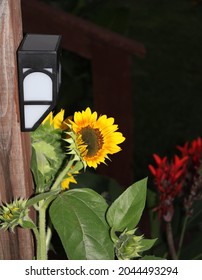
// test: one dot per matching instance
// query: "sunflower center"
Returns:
(93, 138)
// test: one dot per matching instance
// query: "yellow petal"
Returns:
(58, 119)
(49, 118)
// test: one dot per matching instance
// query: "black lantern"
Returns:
(39, 73)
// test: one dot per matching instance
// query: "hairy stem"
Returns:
(62, 175)
(36, 233)
(49, 235)
(42, 254)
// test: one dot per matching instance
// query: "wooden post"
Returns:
(15, 176)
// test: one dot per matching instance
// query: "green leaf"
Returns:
(28, 224)
(44, 154)
(147, 244)
(78, 216)
(38, 177)
(48, 157)
(41, 196)
(126, 210)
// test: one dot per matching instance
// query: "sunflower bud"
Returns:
(14, 214)
(128, 245)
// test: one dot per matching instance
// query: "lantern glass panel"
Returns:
(33, 113)
(38, 86)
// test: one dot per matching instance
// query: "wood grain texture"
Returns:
(15, 176)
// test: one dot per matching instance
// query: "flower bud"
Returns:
(14, 214)
(128, 245)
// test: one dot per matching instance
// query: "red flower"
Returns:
(192, 190)
(193, 151)
(169, 178)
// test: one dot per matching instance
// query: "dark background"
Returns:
(167, 84)
(167, 89)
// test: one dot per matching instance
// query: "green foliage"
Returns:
(128, 245)
(42, 196)
(123, 217)
(126, 211)
(88, 227)
(79, 218)
(14, 214)
(47, 156)
(146, 244)
(28, 224)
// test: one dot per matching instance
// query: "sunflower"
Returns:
(94, 137)
(56, 121)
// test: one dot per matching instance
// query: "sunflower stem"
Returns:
(49, 235)
(62, 174)
(36, 234)
(42, 249)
